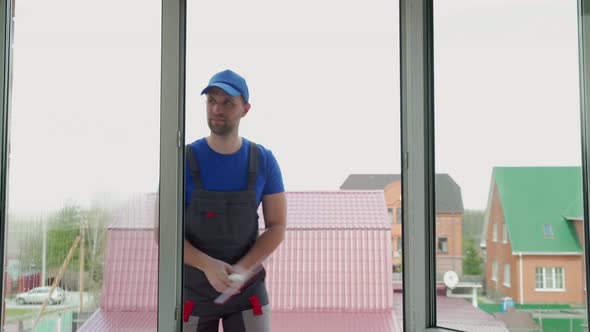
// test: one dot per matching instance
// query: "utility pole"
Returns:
(81, 288)
(44, 257)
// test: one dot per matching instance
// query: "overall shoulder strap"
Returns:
(194, 166)
(252, 166)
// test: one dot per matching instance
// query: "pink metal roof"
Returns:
(337, 322)
(131, 271)
(333, 268)
(333, 271)
(131, 265)
(458, 314)
(336, 254)
(354, 209)
(121, 321)
(129, 299)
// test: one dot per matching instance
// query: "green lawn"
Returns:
(18, 312)
(549, 324)
(10, 312)
(562, 325)
(491, 308)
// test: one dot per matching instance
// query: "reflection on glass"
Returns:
(507, 131)
(84, 142)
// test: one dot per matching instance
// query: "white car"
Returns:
(39, 294)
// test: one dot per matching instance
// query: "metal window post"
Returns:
(584, 62)
(5, 71)
(171, 165)
(417, 106)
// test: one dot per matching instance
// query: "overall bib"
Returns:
(223, 225)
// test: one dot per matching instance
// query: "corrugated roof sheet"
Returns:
(336, 209)
(121, 321)
(448, 197)
(337, 322)
(131, 271)
(332, 270)
(458, 314)
(129, 299)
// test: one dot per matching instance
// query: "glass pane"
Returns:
(507, 132)
(559, 278)
(507, 275)
(323, 86)
(539, 278)
(84, 166)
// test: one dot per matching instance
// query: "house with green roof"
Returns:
(532, 238)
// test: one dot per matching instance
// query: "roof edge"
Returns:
(548, 253)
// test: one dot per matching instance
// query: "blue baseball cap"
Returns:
(230, 82)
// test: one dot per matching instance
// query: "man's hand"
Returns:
(217, 273)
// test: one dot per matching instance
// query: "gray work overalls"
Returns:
(223, 225)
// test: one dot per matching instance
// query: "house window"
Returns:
(397, 246)
(549, 278)
(398, 215)
(507, 275)
(504, 234)
(495, 271)
(390, 214)
(559, 280)
(495, 232)
(548, 230)
(443, 245)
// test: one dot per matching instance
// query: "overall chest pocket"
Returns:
(209, 219)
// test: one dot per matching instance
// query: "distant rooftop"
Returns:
(447, 196)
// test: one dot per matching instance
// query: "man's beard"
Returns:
(222, 130)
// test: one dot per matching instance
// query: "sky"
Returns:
(324, 87)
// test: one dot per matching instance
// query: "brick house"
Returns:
(532, 236)
(449, 215)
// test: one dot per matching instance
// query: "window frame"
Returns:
(584, 69)
(416, 18)
(438, 244)
(416, 49)
(550, 228)
(6, 28)
(504, 234)
(171, 192)
(545, 277)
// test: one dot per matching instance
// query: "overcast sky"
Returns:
(324, 86)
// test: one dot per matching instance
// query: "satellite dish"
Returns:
(451, 279)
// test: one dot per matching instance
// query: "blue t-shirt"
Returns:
(229, 172)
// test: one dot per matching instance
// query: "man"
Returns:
(227, 179)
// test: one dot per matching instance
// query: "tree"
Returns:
(97, 220)
(62, 230)
(472, 261)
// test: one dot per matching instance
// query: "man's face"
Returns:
(224, 112)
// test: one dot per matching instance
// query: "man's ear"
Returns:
(246, 109)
